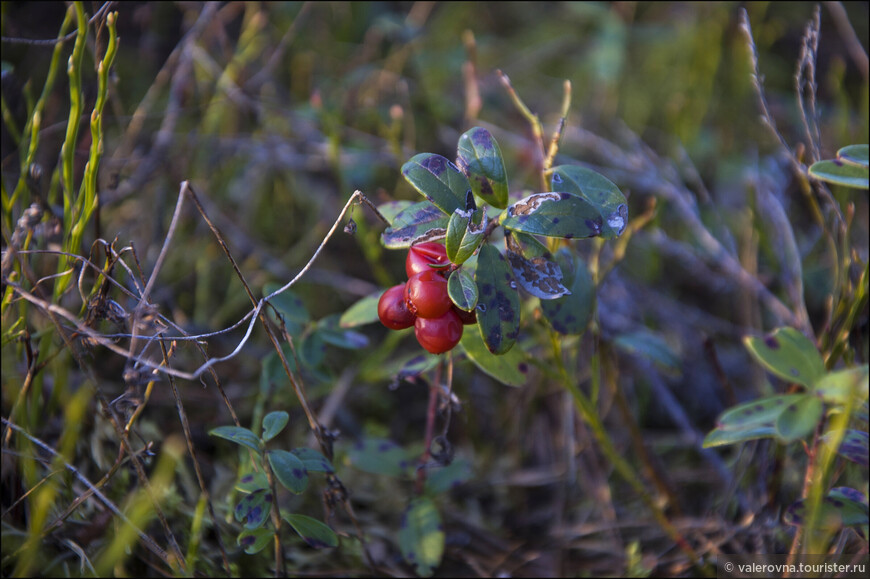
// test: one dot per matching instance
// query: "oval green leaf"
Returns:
(841, 173)
(510, 368)
(462, 290)
(418, 223)
(331, 332)
(289, 470)
(841, 386)
(380, 456)
(441, 480)
(855, 154)
(533, 266)
(843, 507)
(479, 157)
(363, 312)
(391, 209)
(253, 509)
(252, 482)
(855, 446)
(238, 435)
(255, 540)
(799, 418)
(312, 531)
(464, 234)
(570, 314)
(650, 345)
(750, 420)
(438, 180)
(788, 354)
(598, 191)
(274, 423)
(312, 460)
(421, 538)
(498, 308)
(554, 215)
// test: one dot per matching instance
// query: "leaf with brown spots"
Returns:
(751, 420)
(421, 536)
(510, 369)
(534, 267)
(596, 190)
(788, 354)
(498, 302)
(570, 314)
(289, 470)
(417, 223)
(438, 180)
(554, 215)
(464, 234)
(479, 157)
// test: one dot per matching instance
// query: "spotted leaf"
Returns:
(312, 460)
(289, 470)
(421, 536)
(841, 386)
(253, 509)
(415, 224)
(438, 180)
(750, 421)
(312, 531)
(788, 354)
(479, 157)
(799, 418)
(534, 267)
(254, 541)
(842, 507)
(854, 446)
(570, 314)
(252, 482)
(554, 215)
(498, 307)
(510, 368)
(380, 456)
(274, 423)
(598, 191)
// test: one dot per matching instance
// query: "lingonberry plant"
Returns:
(469, 279)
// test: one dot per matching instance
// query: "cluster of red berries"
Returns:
(423, 301)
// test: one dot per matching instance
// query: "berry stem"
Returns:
(430, 429)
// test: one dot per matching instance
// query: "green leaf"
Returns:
(479, 157)
(391, 209)
(855, 446)
(289, 306)
(238, 435)
(510, 368)
(841, 173)
(598, 191)
(363, 312)
(554, 215)
(380, 456)
(533, 266)
(842, 507)
(289, 470)
(438, 180)
(750, 420)
(788, 354)
(799, 418)
(332, 333)
(253, 509)
(312, 531)
(462, 290)
(464, 234)
(841, 386)
(312, 460)
(274, 423)
(570, 314)
(441, 480)
(417, 365)
(252, 482)
(650, 345)
(421, 538)
(498, 308)
(418, 223)
(856, 155)
(255, 540)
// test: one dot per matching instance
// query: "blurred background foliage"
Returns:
(277, 112)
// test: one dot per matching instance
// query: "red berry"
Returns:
(393, 311)
(427, 296)
(466, 318)
(439, 335)
(423, 254)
